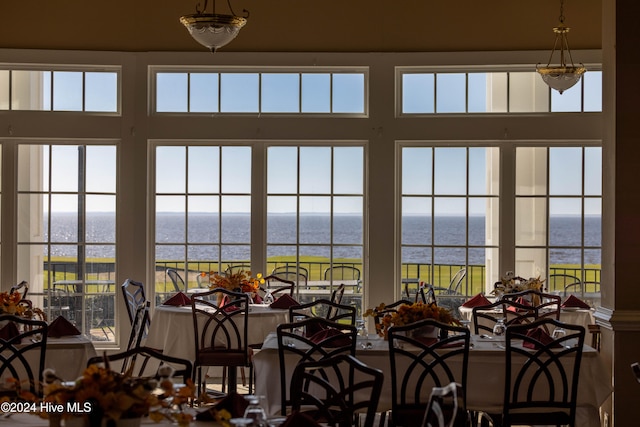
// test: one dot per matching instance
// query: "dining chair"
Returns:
(23, 345)
(336, 298)
(562, 283)
(454, 284)
(176, 279)
(221, 334)
(486, 316)
(337, 273)
(297, 274)
(133, 294)
(542, 375)
(337, 390)
(324, 308)
(277, 286)
(145, 362)
(547, 305)
(294, 346)
(418, 364)
(419, 295)
(24, 286)
(446, 407)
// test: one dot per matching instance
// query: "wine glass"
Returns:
(499, 328)
(361, 325)
(558, 333)
(255, 412)
(268, 297)
(241, 422)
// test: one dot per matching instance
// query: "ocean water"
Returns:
(315, 230)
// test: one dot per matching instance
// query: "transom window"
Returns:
(219, 91)
(60, 90)
(494, 92)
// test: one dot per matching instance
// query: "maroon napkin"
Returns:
(328, 335)
(61, 327)
(233, 402)
(8, 331)
(520, 301)
(299, 419)
(178, 300)
(573, 301)
(257, 299)
(313, 327)
(285, 301)
(540, 336)
(476, 301)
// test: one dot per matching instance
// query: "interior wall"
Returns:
(304, 26)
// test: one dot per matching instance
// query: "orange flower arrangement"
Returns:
(241, 280)
(406, 314)
(11, 303)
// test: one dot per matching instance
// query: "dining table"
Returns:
(171, 328)
(485, 382)
(570, 315)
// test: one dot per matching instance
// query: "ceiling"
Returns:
(304, 25)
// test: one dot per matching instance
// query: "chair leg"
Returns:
(251, 378)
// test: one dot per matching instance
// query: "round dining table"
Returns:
(172, 328)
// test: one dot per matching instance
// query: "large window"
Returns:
(559, 216)
(203, 212)
(449, 217)
(67, 232)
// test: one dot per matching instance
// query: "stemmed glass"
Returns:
(361, 325)
(499, 328)
(558, 333)
(241, 422)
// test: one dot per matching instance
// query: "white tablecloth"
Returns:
(582, 317)
(485, 382)
(172, 328)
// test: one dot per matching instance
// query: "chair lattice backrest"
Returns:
(22, 287)
(297, 274)
(324, 308)
(311, 339)
(23, 345)
(541, 378)
(419, 363)
(486, 316)
(336, 389)
(176, 279)
(547, 305)
(220, 330)
(388, 309)
(145, 362)
(133, 293)
(278, 286)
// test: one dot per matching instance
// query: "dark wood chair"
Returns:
(547, 305)
(221, 333)
(541, 378)
(388, 309)
(23, 345)
(486, 316)
(277, 286)
(297, 342)
(324, 308)
(336, 390)
(419, 363)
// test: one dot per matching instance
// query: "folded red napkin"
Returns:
(313, 327)
(521, 301)
(233, 402)
(285, 301)
(299, 419)
(477, 301)
(257, 299)
(542, 338)
(573, 301)
(178, 300)
(8, 331)
(330, 337)
(61, 327)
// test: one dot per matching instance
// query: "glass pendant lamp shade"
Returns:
(213, 30)
(563, 76)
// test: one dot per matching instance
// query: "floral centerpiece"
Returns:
(240, 281)
(512, 284)
(101, 393)
(12, 303)
(408, 313)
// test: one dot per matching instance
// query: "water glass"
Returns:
(241, 422)
(558, 333)
(361, 325)
(255, 412)
(499, 328)
(298, 330)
